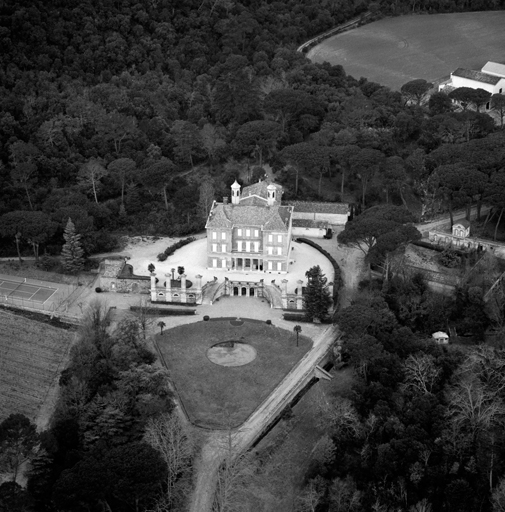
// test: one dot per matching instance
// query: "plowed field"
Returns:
(394, 51)
(32, 355)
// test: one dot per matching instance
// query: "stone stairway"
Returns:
(274, 295)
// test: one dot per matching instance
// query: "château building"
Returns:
(252, 233)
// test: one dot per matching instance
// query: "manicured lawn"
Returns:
(218, 396)
(394, 51)
(32, 355)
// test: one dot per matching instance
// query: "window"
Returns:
(270, 238)
(223, 236)
(270, 250)
(223, 263)
(279, 239)
(270, 265)
(214, 247)
(256, 233)
(247, 232)
(239, 245)
(214, 235)
(223, 248)
(279, 251)
(214, 262)
(239, 232)
(256, 247)
(248, 246)
(279, 266)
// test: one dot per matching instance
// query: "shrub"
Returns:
(172, 248)
(206, 318)
(98, 289)
(295, 317)
(337, 282)
(450, 258)
(48, 263)
(269, 322)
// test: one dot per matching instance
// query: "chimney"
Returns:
(225, 200)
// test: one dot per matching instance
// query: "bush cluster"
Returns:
(450, 258)
(295, 317)
(337, 282)
(172, 248)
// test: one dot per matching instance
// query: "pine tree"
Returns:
(72, 251)
(316, 299)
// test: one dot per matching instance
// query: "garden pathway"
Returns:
(216, 447)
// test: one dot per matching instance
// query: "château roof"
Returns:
(314, 207)
(269, 218)
(260, 189)
(476, 76)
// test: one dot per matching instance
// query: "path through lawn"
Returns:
(217, 396)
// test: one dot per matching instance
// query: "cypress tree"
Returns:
(72, 251)
(316, 299)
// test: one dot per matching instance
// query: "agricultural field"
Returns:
(394, 51)
(32, 355)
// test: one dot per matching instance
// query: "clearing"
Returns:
(216, 396)
(394, 51)
(32, 355)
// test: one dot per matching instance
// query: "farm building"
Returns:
(491, 78)
(320, 216)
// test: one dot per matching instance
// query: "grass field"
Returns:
(32, 354)
(218, 396)
(393, 51)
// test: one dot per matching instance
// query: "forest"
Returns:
(131, 118)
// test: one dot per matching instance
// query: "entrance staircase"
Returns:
(274, 296)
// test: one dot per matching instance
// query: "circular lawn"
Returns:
(218, 396)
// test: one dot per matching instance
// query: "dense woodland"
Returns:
(131, 118)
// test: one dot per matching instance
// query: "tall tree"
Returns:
(498, 104)
(316, 298)
(258, 138)
(18, 443)
(90, 175)
(366, 163)
(416, 91)
(174, 442)
(72, 251)
(122, 169)
(188, 142)
(116, 127)
(24, 166)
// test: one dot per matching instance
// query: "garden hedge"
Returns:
(337, 282)
(172, 248)
(164, 311)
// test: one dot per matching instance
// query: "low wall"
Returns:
(471, 243)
